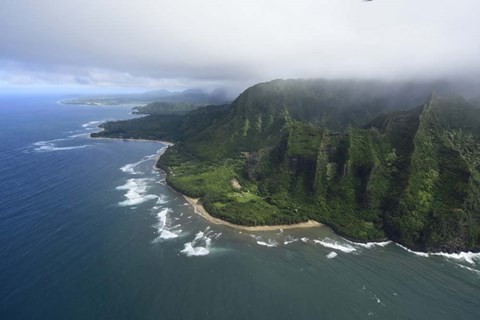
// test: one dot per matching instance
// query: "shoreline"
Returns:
(200, 210)
(167, 143)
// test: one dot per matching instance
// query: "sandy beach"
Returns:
(201, 211)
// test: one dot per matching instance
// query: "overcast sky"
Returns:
(178, 44)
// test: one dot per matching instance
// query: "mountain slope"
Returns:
(339, 152)
(258, 115)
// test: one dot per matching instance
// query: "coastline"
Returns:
(199, 209)
(168, 143)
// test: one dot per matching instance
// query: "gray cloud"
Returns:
(184, 43)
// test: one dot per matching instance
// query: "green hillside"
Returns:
(339, 152)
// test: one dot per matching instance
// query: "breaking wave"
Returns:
(162, 199)
(289, 239)
(201, 244)
(131, 167)
(164, 230)
(369, 245)
(475, 271)
(50, 145)
(266, 243)
(136, 192)
(468, 257)
(332, 244)
(269, 243)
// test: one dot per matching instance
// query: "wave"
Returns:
(332, 255)
(468, 257)
(269, 243)
(465, 256)
(201, 244)
(418, 253)
(166, 234)
(289, 239)
(475, 271)
(49, 146)
(163, 230)
(369, 245)
(332, 244)
(136, 192)
(162, 199)
(92, 124)
(52, 148)
(130, 168)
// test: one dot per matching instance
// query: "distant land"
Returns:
(185, 100)
(372, 160)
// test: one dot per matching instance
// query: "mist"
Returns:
(233, 44)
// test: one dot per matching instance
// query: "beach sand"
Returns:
(201, 211)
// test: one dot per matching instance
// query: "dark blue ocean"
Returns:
(89, 230)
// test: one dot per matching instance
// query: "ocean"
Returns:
(89, 230)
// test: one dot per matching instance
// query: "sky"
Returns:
(178, 44)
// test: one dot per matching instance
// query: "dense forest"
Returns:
(372, 160)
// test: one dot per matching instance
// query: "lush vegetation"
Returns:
(338, 152)
(166, 108)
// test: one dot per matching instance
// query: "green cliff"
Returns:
(339, 152)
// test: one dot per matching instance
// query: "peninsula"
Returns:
(371, 160)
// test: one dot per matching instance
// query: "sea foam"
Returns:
(50, 145)
(332, 255)
(475, 271)
(289, 239)
(468, 257)
(465, 256)
(131, 167)
(270, 243)
(164, 230)
(332, 244)
(201, 244)
(369, 245)
(420, 254)
(136, 192)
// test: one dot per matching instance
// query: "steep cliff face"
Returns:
(440, 205)
(411, 176)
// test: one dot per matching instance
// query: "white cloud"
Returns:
(190, 42)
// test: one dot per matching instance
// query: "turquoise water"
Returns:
(89, 230)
